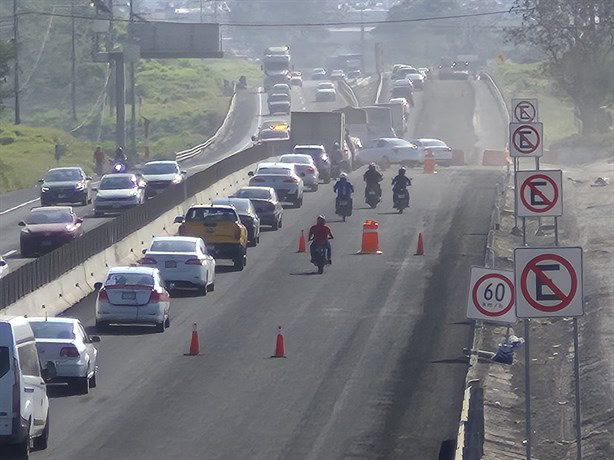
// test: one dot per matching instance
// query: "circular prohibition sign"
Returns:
(533, 147)
(565, 299)
(550, 203)
(476, 302)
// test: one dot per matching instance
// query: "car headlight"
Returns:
(80, 186)
(177, 180)
(44, 189)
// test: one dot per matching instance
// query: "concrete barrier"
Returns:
(458, 158)
(495, 158)
(59, 295)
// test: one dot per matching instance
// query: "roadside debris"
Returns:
(601, 182)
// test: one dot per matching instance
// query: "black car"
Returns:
(264, 200)
(65, 185)
(247, 214)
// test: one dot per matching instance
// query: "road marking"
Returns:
(10, 253)
(19, 206)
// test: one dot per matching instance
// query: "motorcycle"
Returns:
(343, 207)
(118, 167)
(372, 195)
(400, 198)
(319, 258)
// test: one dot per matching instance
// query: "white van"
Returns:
(24, 406)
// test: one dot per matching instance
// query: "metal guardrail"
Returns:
(45, 269)
(348, 93)
(498, 95)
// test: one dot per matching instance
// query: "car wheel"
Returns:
(211, 287)
(161, 327)
(275, 225)
(167, 323)
(93, 381)
(314, 188)
(85, 200)
(258, 239)
(239, 263)
(23, 449)
(41, 442)
(202, 290)
(80, 385)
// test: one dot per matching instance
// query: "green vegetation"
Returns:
(26, 153)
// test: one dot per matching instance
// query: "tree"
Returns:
(7, 53)
(577, 38)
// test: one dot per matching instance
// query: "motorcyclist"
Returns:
(99, 160)
(343, 188)
(335, 155)
(120, 156)
(320, 233)
(400, 182)
(373, 177)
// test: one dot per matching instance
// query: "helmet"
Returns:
(402, 171)
(321, 220)
(336, 144)
(119, 149)
(343, 176)
(372, 166)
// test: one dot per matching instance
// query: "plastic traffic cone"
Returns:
(420, 249)
(370, 238)
(279, 345)
(301, 242)
(194, 344)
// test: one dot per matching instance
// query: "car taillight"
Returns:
(69, 352)
(194, 262)
(258, 180)
(291, 180)
(147, 261)
(158, 296)
(310, 169)
(102, 295)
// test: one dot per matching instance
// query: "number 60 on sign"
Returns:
(491, 295)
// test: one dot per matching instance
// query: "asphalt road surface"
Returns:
(374, 345)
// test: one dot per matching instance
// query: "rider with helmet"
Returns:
(373, 177)
(320, 234)
(120, 156)
(401, 181)
(343, 188)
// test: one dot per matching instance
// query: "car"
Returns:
(283, 177)
(402, 71)
(424, 71)
(132, 296)
(403, 102)
(405, 92)
(117, 192)
(4, 267)
(403, 82)
(417, 80)
(306, 168)
(279, 103)
(268, 208)
(326, 95)
(183, 262)
(441, 151)
(159, 175)
(24, 405)
(281, 88)
(326, 85)
(296, 79)
(353, 74)
(389, 151)
(65, 344)
(337, 75)
(320, 158)
(220, 228)
(47, 228)
(65, 185)
(318, 73)
(272, 135)
(247, 214)
(278, 125)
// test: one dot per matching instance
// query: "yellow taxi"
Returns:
(220, 228)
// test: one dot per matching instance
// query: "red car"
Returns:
(48, 228)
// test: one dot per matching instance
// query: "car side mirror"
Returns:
(184, 172)
(21, 223)
(79, 220)
(254, 138)
(40, 181)
(88, 178)
(178, 220)
(50, 372)
(94, 339)
(250, 174)
(98, 285)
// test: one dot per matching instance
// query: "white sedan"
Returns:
(283, 178)
(65, 344)
(389, 150)
(132, 295)
(4, 267)
(183, 262)
(441, 151)
(306, 168)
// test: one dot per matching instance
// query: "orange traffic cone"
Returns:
(301, 242)
(194, 344)
(429, 162)
(420, 249)
(370, 238)
(279, 345)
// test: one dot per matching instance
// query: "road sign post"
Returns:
(526, 140)
(491, 295)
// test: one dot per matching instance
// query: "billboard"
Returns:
(160, 40)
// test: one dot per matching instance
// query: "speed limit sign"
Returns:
(491, 295)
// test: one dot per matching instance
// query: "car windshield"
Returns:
(49, 216)
(326, 86)
(173, 246)
(160, 168)
(52, 330)
(296, 159)
(210, 215)
(314, 153)
(278, 98)
(399, 142)
(116, 183)
(254, 193)
(241, 205)
(434, 143)
(272, 134)
(129, 279)
(61, 175)
(278, 171)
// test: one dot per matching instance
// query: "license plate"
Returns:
(343, 203)
(61, 195)
(46, 243)
(128, 295)
(170, 264)
(371, 192)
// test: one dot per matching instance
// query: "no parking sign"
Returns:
(539, 193)
(491, 295)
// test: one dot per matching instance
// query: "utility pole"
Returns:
(109, 47)
(73, 62)
(362, 37)
(16, 48)
(132, 89)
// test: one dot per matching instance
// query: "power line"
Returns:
(300, 24)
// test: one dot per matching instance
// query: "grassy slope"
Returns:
(526, 80)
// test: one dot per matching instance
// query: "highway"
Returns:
(374, 346)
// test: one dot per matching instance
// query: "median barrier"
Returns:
(495, 158)
(458, 158)
(117, 241)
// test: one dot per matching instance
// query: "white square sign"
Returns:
(525, 110)
(491, 295)
(526, 140)
(539, 193)
(549, 282)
